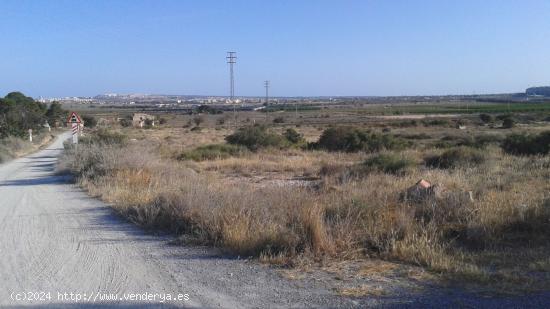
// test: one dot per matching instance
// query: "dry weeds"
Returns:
(499, 239)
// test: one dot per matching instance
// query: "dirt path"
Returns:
(55, 239)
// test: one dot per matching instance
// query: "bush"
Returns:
(279, 120)
(503, 116)
(126, 122)
(435, 122)
(162, 120)
(105, 137)
(456, 157)
(508, 123)
(532, 144)
(212, 152)
(148, 123)
(355, 139)
(255, 137)
(480, 141)
(416, 136)
(486, 118)
(388, 163)
(198, 120)
(89, 121)
(293, 136)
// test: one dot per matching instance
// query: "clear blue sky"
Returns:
(306, 48)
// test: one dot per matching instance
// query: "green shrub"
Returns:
(352, 139)
(126, 122)
(486, 118)
(293, 136)
(456, 157)
(89, 121)
(255, 137)
(388, 163)
(212, 152)
(279, 120)
(508, 123)
(503, 116)
(523, 144)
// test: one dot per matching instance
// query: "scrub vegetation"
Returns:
(294, 195)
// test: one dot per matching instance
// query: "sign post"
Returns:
(30, 135)
(75, 122)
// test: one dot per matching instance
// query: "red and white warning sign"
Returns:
(74, 118)
(75, 122)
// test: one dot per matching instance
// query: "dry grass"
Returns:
(500, 239)
(13, 147)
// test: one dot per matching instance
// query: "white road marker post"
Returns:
(75, 133)
(30, 135)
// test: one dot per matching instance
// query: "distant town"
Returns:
(534, 94)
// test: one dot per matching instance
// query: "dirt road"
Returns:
(61, 248)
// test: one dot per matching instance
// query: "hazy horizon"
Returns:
(306, 48)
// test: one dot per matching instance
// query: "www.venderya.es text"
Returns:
(96, 297)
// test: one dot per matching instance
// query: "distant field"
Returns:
(359, 109)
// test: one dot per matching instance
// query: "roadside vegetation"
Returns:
(18, 115)
(289, 198)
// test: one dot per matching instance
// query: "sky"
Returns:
(56, 48)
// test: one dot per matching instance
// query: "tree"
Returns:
(55, 113)
(19, 113)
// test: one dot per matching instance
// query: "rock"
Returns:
(424, 190)
(421, 191)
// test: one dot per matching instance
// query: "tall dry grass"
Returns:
(339, 218)
(13, 147)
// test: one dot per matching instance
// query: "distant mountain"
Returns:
(542, 91)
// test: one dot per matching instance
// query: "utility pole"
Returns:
(232, 59)
(266, 85)
(296, 111)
